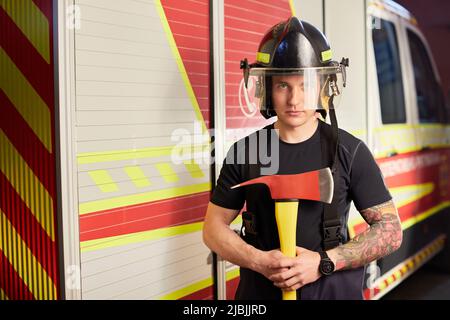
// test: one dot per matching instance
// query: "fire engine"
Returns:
(110, 110)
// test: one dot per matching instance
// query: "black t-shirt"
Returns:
(360, 180)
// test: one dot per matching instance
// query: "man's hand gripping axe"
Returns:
(287, 190)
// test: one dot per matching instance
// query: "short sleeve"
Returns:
(230, 175)
(367, 186)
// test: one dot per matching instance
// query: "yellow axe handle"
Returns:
(286, 217)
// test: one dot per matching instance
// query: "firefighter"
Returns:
(295, 79)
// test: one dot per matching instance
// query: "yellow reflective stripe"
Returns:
(390, 127)
(292, 7)
(32, 22)
(326, 55)
(410, 264)
(263, 57)
(360, 133)
(393, 138)
(183, 292)
(197, 286)
(194, 169)
(137, 176)
(150, 196)
(180, 64)
(416, 219)
(99, 244)
(119, 155)
(27, 185)
(404, 269)
(405, 224)
(26, 100)
(430, 126)
(232, 274)
(385, 154)
(166, 171)
(103, 180)
(46, 288)
(3, 295)
(121, 240)
(390, 279)
(421, 190)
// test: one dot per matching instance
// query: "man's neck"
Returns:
(297, 134)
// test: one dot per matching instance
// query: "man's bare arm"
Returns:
(383, 237)
(219, 237)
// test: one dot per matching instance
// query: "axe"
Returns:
(287, 190)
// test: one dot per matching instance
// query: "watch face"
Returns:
(326, 267)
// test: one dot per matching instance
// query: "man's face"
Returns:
(288, 97)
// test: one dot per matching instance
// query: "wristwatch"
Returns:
(326, 266)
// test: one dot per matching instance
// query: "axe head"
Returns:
(313, 185)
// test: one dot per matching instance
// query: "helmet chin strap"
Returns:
(335, 132)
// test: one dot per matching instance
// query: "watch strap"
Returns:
(323, 255)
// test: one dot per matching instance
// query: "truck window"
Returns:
(390, 83)
(430, 99)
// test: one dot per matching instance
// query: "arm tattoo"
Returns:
(382, 238)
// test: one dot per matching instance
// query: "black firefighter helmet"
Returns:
(294, 47)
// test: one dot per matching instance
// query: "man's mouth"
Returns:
(294, 113)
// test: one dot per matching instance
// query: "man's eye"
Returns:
(282, 85)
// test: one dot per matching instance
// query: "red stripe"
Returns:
(233, 80)
(27, 59)
(244, 29)
(191, 53)
(204, 294)
(196, 66)
(366, 294)
(29, 229)
(190, 16)
(189, 23)
(187, 5)
(243, 46)
(41, 77)
(181, 27)
(143, 217)
(184, 40)
(203, 104)
(198, 79)
(409, 211)
(26, 142)
(258, 13)
(207, 293)
(241, 23)
(237, 56)
(46, 7)
(232, 287)
(234, 34)
(274, 8)
(235, 111)
(416, 176)
(233, 70)
(11, 283)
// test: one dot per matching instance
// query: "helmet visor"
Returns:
(304, 88)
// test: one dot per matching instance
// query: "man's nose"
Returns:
(295, 97)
